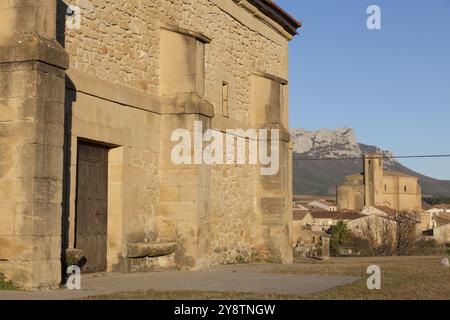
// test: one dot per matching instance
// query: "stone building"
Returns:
(374, 228)
(87, 109)
(376, 187)
(312, 224)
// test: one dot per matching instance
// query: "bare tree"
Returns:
(380, 236)
(387, 238)
(405, 232)
(368, 234)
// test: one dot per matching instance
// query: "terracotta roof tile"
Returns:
(426, 206)
(299, 214)
(442, 219)
(337, 215)
(387, 210)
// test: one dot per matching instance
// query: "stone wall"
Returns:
(122, 43)
(32, 69)
(139, 69)
(133, 182)
(395, 195)
(232, 213)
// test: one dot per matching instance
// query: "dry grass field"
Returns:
(407, 278)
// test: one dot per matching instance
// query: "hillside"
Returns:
(321, 177)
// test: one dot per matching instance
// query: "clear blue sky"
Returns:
(391, 85)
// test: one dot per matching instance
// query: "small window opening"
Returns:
(225, 99)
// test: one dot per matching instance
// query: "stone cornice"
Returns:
(278, 15)
(186, 103)
(23, 48)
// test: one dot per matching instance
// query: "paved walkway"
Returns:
(237, 278)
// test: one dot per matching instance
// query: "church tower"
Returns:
(373, 178)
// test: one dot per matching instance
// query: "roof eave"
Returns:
(278, 15)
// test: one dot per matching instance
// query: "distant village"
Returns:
(375, 212)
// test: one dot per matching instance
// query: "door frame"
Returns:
(76, 218)
(116, 160)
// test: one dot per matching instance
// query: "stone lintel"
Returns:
(82, 82)
(272, 77)
(200, 37)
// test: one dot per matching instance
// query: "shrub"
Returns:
(5, 285)
(340, 234)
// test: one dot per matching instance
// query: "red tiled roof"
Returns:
(387, 210)
(283, 12)
(442, 206)
(442, 219)
(426, 206)
(299, 214)
(336, 215)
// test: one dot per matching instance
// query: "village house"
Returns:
(438, 227)
(324, 220)
(299, 206)
(310, 226)
(374, 227)
(425, 221)
(442, 233)
(379, 211)
(309, 202)
(437, 209)
(433, 218)
(301, 221)
(441, 219)
(321, 205)
(306, 240)
(87, 110)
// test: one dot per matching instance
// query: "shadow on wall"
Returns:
(61, 9)
(70, 97)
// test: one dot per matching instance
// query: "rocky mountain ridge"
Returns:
(317, 177)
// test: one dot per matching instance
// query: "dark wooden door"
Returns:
(92, 205)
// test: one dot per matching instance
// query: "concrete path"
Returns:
(237, 278)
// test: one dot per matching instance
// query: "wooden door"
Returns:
(92, 205)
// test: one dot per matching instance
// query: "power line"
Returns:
(374, 157)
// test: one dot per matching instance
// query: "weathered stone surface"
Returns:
(32, 99)
(28, 47)
(187, 103)
(151, 249)
(138, 71)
